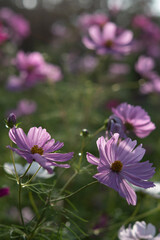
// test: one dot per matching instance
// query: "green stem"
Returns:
(68, 182)
(25, 184)
(70, 195)
(17, 178)
(81, 154)
(40, 218)
(33, 204)
(98, 131)
(24, 174)
(19, 201)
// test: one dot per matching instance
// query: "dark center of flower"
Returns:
(109, 43)
(129, 126)
(116, 166)
(36, 149)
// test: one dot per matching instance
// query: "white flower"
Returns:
(42, 173)
(140, 230)
(154, 192)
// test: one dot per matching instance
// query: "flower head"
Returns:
(108, 39)
(135, 119)
(119, 164)
(38, 146)
(140, 230)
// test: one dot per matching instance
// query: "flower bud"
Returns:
(115, 125)
(84, 133)
(11, 120)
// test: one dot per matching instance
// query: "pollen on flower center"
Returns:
(36, 149)
(109, 43)
(116, 166)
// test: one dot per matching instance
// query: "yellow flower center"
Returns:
(109, 43)
(116, 166)
(36, 149)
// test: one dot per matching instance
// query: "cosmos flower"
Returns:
(18, 27)
(135, 119)
(87, 20)
(119, 165)
(32, 69)
(144, 65)
(38, 146)
(4, 191)
(108, 39)
(140, 230)
(3, 34)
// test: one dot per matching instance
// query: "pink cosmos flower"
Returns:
(144, 65)
(135, 119)
(140, 230)
(4, 191)
(119, 164)
(119, 69)
(38, 146)
(87, 20)
(24, 107)
(33, 69)
(108, 39)
(18, 26)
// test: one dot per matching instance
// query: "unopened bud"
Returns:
(84, 133)
(11, 120)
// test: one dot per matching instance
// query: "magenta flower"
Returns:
(3, 34)
(119, 164)
(153, 85)
(4, 191)
(135, 119)
(38, 146)
(108, 39)
(18, 27)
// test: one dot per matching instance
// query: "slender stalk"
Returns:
(77, 191)
(98, 131)
(33, 204)
(25, 184)
(68, 182)
(19, 202)
(24, 174)
(15, 170)
(81, 155)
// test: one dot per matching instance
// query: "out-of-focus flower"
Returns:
(18, 26)
(154, 192)
(87, 20)
(147, 26)
(112, 104)
(108, 39)
(119, 69)
(144, 65)
(135, 119)
(38, 146)
(119, 164)
(59, 30)
(152, 85)
(25, 107)
(42, 173)
(140, 230)
(88, 63)
(3, 34)
(51, 72)
(33, 69)
(4, 191)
